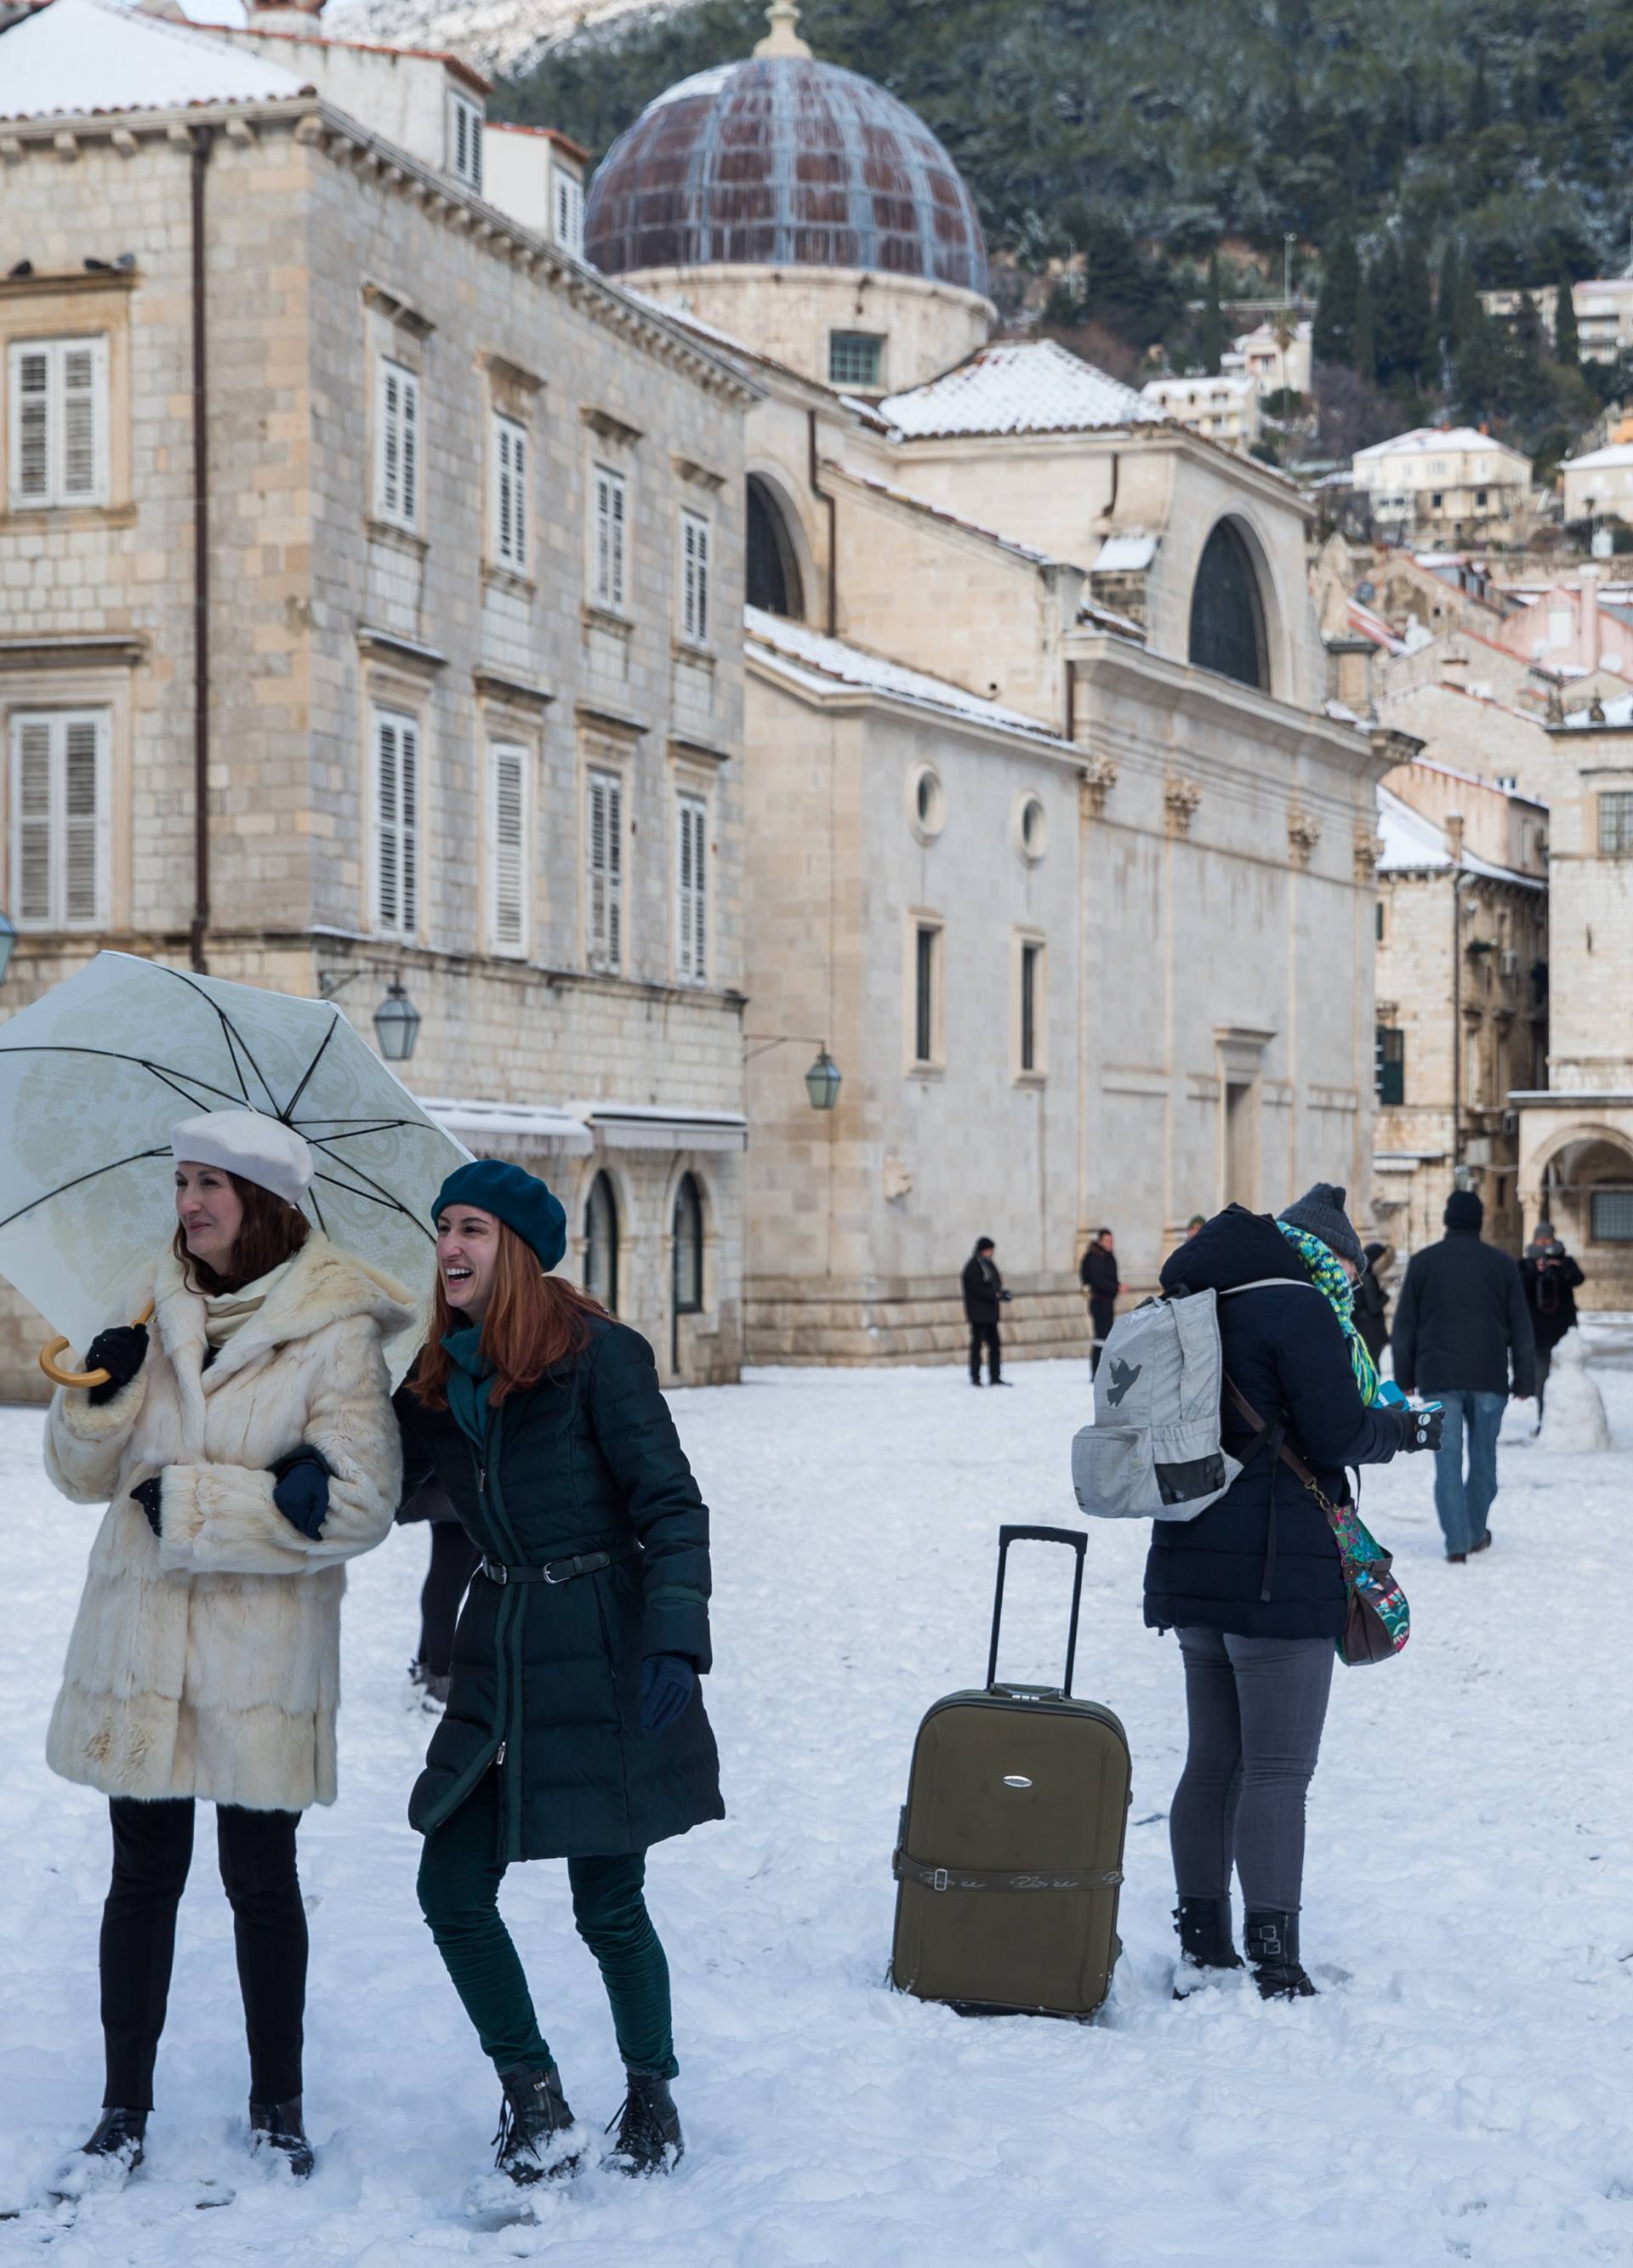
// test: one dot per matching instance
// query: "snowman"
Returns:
(1573, 1415)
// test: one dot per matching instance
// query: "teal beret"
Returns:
(512, 1195)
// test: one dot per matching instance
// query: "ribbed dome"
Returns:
(784, 161)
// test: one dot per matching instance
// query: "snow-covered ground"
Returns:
(1463, 2090)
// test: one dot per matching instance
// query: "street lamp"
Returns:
(396, 1024)
(822, 1081)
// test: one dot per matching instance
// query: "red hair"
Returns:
(534, 1322)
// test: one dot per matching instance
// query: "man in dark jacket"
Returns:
(1550, 1276)
(1099, 1279)
(1462, 1337)
(983, 1295)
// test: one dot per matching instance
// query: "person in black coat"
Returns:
(1462, 1337)
(1550, 1276)
(983, 1295)
(1099, 1277)
(1371, 1304)
(1255, 1586)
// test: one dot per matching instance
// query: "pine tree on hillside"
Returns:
(1214, 337)
(1567, 347)
(1391, 344)
(1364, 352)
(1332, 338)
(1447, 297)
(1420, 355)
(1480, 98)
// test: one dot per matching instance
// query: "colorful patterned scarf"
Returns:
(1329, 1278)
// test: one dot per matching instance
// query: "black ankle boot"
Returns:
(649, 2129)
(538, 2139)
(1272, 1941)
(113, 2152)
(277, 2126)
(1205, 1940)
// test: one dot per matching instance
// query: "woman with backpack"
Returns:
(574, 1728)
(1253, 1584)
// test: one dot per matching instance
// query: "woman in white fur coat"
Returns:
(246, 1450)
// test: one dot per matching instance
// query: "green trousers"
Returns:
(460, 1873)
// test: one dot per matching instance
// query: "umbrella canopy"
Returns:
(94, 1075)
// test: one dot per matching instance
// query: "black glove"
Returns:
(120, 1352)
(667, 1682)
(301, 1493)
(147, 1496)
(1419, 1429)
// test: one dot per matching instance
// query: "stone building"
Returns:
(1051, 840)
(1226, 408)
(1462, 996)
(426, 588)
(1446, 485)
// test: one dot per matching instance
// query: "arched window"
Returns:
(600, 1244)
(1227, 613)
(687, 1238)
(772, 568)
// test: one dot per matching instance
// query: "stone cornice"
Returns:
(319, 124)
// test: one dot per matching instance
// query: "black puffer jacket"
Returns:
(1233, 1567)
(1461, 1320)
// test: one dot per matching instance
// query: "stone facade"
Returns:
(329, 253)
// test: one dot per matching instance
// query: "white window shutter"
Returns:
(31, 820)
(519, 496)
(617, 541)
(83, 364)
(32, 423)
(605, 865)
(510, 493)
(390, 482)
(387, 836)
(408, 738)
(82, 827)
(695, 578)
(692, 891)
(508, 840)
(410, 449)
(60, 832)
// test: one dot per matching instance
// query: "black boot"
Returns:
(538, 2139)
(277, 2126)
(1273, 1951)
(649, 2129)
(114, 2152)
(1205, 1941)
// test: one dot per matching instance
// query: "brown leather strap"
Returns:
(982, 1878)
(1290, 1456)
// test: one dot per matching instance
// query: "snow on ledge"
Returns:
(827, 664)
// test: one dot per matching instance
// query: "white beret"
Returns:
(255, 1148)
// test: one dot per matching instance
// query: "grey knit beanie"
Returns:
(1321, 1211)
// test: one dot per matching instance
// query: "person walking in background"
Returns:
(1550, 1276)
(1194, 1225)
(454, 1559)
(1372, 1303)
(1100, 1280)
(1254, 1586)
(983, 1295)
(1463, 1335)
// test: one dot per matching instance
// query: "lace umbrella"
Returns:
(94, 1075)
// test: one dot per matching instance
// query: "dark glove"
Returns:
(120, 1352)
(147, 1496)
(1419, 1429)
(1006, 1297)
(667, 1682)
(301, 1491)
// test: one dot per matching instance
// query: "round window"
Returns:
(1031, 828)
(926, 803)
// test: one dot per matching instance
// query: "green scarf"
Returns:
(1327, 1274)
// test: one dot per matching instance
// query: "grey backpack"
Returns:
(1154, 1451)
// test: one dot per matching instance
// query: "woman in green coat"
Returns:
(574, 1727)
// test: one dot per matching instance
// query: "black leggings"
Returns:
(453, 1558)
(152, 1851)
(1256, 1707)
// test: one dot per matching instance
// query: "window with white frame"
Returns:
(58, 441)
(603, 852)
(926, 979)
(610, 505)
(60, 829)
(509, 455)
(397, 739)
(465, 140)
(692, 889)
(1029, 1007)
(695, 533)
(397, 446)
(507, 847)
(569, 212)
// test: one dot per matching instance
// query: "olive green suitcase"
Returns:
(1010, 1852)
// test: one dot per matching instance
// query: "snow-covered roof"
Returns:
(1431, 440)
(542, 1124)
(1190, 389)
(1415, 845)
(1125, 555)
(1598, 460)
(80, 57)
(825, 664)
(1019, 385)
(1617, 713)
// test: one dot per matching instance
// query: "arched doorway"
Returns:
(772, 570)
(686, 1245)
(1228, 612)
(600, 1244)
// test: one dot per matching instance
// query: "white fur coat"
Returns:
(208, 1664)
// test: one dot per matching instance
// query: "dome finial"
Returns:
(784, 37)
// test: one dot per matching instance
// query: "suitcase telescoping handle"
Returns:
(1080, 1545)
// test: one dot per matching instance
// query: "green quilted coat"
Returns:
(546, 1678)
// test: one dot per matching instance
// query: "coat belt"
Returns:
(559, 1570)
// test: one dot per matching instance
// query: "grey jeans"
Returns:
(1256, 1707)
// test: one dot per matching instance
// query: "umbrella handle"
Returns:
(58, 1376)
